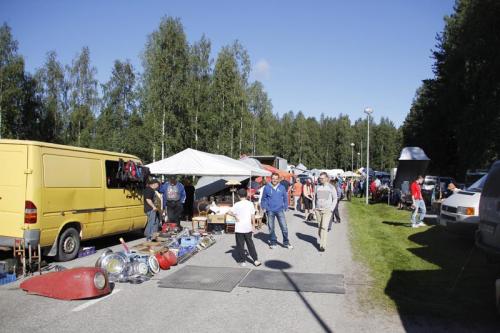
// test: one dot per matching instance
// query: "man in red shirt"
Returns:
(418, 203)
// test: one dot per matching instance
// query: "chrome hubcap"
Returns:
(69, 245)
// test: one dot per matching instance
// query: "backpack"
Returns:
(139, 172)
(131, 171)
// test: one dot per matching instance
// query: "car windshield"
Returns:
(478, 185)
(430, 182)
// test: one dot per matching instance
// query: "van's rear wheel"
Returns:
(68, 244)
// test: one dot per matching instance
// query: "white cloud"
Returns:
(262, 70)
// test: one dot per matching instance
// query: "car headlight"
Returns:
(99, 280)
(466, 210)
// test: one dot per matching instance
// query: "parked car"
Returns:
(488, 233)
(460, 211)
(435, 187)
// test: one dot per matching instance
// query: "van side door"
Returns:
(118, 200)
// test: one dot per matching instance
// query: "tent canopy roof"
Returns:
(198, 163)
(413, 154)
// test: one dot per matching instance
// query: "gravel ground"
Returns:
(145, 307)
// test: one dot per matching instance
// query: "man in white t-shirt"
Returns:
(244, 212)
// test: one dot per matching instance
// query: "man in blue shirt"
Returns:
(275, 203)
(174, 197)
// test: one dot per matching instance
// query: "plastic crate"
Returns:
(189, 241)
(7, 278)
(185, 250)
(86, 251)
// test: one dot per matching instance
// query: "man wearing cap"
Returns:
(174, 196)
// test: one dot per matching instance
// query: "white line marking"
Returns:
(94, 301)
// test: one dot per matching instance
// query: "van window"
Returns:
(111, 171)
(69, 171)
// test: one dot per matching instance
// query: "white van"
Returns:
(460, 212)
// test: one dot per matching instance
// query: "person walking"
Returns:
(151, 208)
(244, 213)
(418, 203)
(297, 194)
(336, 214)
(326, 200)
(308, 197)
(174, 197)
(275, 203)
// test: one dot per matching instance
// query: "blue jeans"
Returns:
(270, 224)
(152, 224)
(419, 206)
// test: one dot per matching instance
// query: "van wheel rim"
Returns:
(69, 245)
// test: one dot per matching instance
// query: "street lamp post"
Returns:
(357, 164)
(368, 112)
(352, 156)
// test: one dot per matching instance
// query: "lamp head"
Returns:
(368, 111)
(352, 144)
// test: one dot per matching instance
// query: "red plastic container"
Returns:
(170, 257)
(163, 261)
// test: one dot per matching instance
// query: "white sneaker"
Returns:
(421, 224)
(272, 247)
(414, 225)
(257, 263)
(289, 247)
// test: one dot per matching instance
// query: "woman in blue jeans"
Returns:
(275, 203)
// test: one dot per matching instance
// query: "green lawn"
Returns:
(415, 270)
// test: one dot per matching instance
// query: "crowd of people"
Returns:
(318, 200)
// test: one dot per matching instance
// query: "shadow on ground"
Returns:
(312, 224)
(459, 292)
(99, 243)
(282, 266)
(309, 239)
(264, 237)
(397, 224)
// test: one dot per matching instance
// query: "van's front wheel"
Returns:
(68, 244)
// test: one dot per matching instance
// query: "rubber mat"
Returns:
(204, 278)
(303, 282)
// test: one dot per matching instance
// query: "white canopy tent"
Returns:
(350, 174)
(198, 163)
(299, 169)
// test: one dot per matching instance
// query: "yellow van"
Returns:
(56, 196)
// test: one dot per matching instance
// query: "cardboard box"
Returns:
(216, 219)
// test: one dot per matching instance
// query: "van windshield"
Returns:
(478, 185)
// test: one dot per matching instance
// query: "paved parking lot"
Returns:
(132, 308)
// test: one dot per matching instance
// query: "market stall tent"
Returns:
(198, 163)
(412, 162)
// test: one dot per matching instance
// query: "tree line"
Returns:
(455, 116)
(183, 98)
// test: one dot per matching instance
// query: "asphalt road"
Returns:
(146, 307)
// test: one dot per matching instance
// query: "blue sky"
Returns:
(326, 57)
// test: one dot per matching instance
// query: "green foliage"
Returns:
(463, 98)
(184, 98)
(421, 272)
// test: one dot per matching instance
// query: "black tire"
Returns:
(68, 244)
